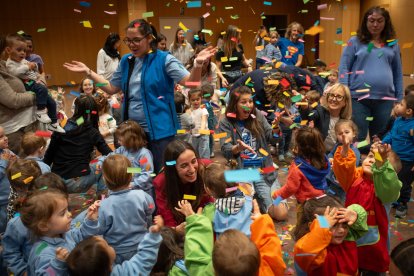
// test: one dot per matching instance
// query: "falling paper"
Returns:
(41, 30)
(87, 24)
(110, 12)
(322, 6)
(194, 4)
(147, 14)
(181, 25)
(242, 175)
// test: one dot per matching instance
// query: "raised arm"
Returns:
(195, 74)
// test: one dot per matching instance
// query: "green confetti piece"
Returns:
(106, 26)
(233, 58)
(246, 108)
(78, 224)
(31, 92)
(80, 121)
(88, 111)
(362, 144)
(40, 248)
(369, 118)
(305, 1)
(43, 188)
(20, 32)
(310, 114)
(100, 84)
(147, 14)
(41, 30)
(213, 8)
(296, 98)
(168, 4)
(226, 211)
(292, 126)
(367, 85)
(234, 16)
(380, 54)
(110, 119)
(133, 170)
(206, 95)
(370, 46)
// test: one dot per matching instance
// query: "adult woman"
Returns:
(292, 49)
(378, 60)
(32, 57)
(162, 42)
(182, 175)
(181, 48)
(108, 57)
(17, 108)
(147, 76)
(230, 59)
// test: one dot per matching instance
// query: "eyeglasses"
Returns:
(135, 40)
(337, 97)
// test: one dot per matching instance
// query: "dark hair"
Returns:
(409, 101)
(174, 188)
(133, 135)
(31, 143)
(409, 89)
(48, 181)
(207, 89)
(250, 123)
(402, 256)
(81, 86)
(114, 170)
(85, 107)
(161, 37)
(109, 46)
(171, 250)
(3, 43)
(27, 37)
(145, 29)
(319, 63)
(175, 43)
(235, 254)
(89, 257)
(179, 101)
(310, 146)
(388, 33)
(190, 62)
(274, 92)
(311, 207)
(194, 91)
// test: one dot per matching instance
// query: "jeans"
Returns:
(284, 143)
(380, 110)
(406, 176)
(157, 148)
(3, 218)
(259, 63)
(84, 183)
(263, 195)
(201, 145)
(43, 99)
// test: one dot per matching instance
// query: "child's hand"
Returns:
(383, 151)
(185, 208)
(346, 215)
(93, 210)
(180, 229)
(32, 65)
(243, 146)
(330, 216)
(158, 224)
(62, 254)
(375, 139)
(346, 143)
(256, 211)
(311, 124)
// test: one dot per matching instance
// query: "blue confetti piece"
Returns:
(277, 200)
(242, 175)
(323, 222)
(85, 4)
(339, 31)
(170, 163)
(194, 4)
(267, 3)
(275, 135)
(316, 23)
(75, 93)
(258, 102)
(16, 215)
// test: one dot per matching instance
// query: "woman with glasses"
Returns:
(147, 77)
(371, 67)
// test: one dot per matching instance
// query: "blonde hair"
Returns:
(274, 33)
(31, 143)
(291, 26)
(114, 170)
(346, 111)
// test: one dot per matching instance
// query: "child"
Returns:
(332, 80)
(207, 91)
(107, 124)
(94, 256)
(59, 97)
(233, 253)
(372, 186)
(132, 139)
(20, 174)
(6, 156)
(17, 243)
(312, 98)
(18, 66)
(184, 117)
(271, 51)
(231, 209)
(46, 215)
(34, 147)
(200, 134)
(327, 245)
(401, 138)
(402, 259)
(307, 173)
(125, 215)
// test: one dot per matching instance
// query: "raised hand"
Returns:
(185, 208)
(76, 66)
(256, 210)
(346, 215)
(330, 216)
(205, 55)
(92, 213)
(243, 146)
(158, 224)
(62, 254)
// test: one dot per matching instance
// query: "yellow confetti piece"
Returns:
(314, 30)
(362, 90)
(315, 104)
(167, 27)
(28, 180)
(204, 131)
(353, 33)
(63, 122)
(228, 140)
(248, 80)
(280, 105)
(224, 59)
(87, 24)
(220, 135)
(407, 45)
(402, 222)
(189, 197)
(286, 94)
(182, 26)
(17, 175)
(378, 156)
(302, 103)
(223, 33)
(266, 38)
(273, 82)
(181, 131)
(262, 151)
(78, 224)
(303, 122)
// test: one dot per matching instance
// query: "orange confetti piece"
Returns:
(262, 151)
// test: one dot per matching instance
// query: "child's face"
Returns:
(367, 163)
(17, 51)
(345, 129)
(162, 45)
(87, 87)
(120, 140)
(244, 106)
(109, 249)
(333, 78)
(4, 141)
(401, 109)
(339, 233)
(59, 222)
(195, 101)
(273, 39)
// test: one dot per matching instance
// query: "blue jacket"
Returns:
(400, 139)
(43, 166)
(42, 259)
(140, 159)
(124, 218)
(159, 112)
(17, 246)
(143, 261)
(4, 181)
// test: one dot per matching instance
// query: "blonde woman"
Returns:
(181, 48)
(292, 49)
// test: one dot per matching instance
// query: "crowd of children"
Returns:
(342, 210)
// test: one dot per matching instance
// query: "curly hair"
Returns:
(275, 93)
(387, 33)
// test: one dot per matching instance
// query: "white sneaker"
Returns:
(41, 116)
(56, 127)
(281, 158)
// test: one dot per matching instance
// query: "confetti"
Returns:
(364, 97)
(87, 24)
(181, 131)
(133, 170)
(267, 3)
(327, 18)
(42, 133)
(189, 197)
(262, 151)
(220, 135)
(231, 189)
(41, 30)
(369, 118)
(182, 26)
(323, 222)
(40, 248)
(76, 10)
(366, 90)
(407, 45)
(370, 46)
(170, 163)
(143, 161)
(80, 121)
(378, 156)
(110, 12)
(17, 175)
(273, 82)
(280, 105)
(285, 83)
(147, 14)
(267, 170)
(232, 115)
(100, 84)
(224, 59)
(85, 4)
(241, 175)
(322, 6)
(207, 14)
(362, 144)
(28, 180)
(167, 27)
(296, 98)
(106, 26)
(389, 98)
(192, 83)
(277, 200)
(204, 131)
(194, 4)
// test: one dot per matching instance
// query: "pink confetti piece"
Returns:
(327, 18)
(253, 116)
(76, 10)
(264, 113)
(322, 6)
(231, 189)
(110, 12)
(50, 271)
(359, 72)
(207, 14)
(363, 97)
(389, 98)
(160, 97)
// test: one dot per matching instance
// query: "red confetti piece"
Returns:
(244, 156)
(143, 161)
(43, 133)
(116, 106)
(285, 83)
(94, 112)
(93, 161)
(231, 115)
(308, 80)
(268, 169)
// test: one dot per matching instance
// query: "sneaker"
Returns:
(401, 211)
(56, 127)
(41, 116)
(289, 155)
(212, 155)
(281, 158)
(395, 204)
